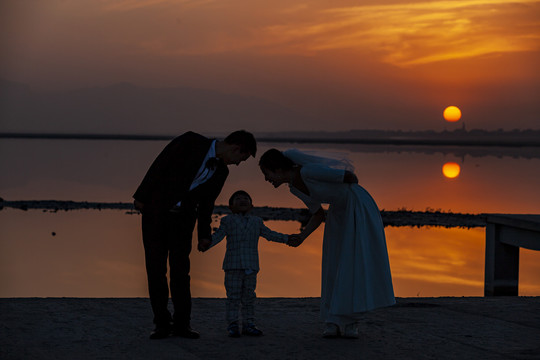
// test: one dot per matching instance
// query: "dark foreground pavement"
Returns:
(416, 328)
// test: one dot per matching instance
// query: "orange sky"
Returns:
(365, 64)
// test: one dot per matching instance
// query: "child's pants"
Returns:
(240, 289)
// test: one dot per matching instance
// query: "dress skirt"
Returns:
(356, 273)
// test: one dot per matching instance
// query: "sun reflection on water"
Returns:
(451, 170)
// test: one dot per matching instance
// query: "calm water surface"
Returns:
(99, 253)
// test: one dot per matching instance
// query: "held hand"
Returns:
(204, 244)
(295, 240)
(350, 178)
(138, 205)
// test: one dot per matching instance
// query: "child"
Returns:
(241, 262)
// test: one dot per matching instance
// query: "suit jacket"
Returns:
(243, 232)
(171, 174)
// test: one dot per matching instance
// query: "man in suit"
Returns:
(179, 189)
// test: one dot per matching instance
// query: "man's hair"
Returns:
(237, 193)
(274, 159)
(245, 140)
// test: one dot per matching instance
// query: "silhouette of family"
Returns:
(179, 191)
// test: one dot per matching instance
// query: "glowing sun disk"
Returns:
(451, 170)
(452, 113)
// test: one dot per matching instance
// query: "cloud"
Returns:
(127, 5)
(400, 34)
(417, 33)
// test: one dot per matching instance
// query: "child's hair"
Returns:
(239, 192)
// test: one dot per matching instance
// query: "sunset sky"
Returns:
(338, 65)
(213, 66)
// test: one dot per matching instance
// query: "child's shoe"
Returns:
(251, 330)
(331, 330)
(233, 330)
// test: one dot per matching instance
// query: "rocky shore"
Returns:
(429, 217)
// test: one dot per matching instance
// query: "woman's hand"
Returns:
(295, 240)
(350, 178)
(204, 244)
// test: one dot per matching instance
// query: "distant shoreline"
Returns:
(390, 218)
(427, 138)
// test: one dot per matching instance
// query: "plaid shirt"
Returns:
(243, 233)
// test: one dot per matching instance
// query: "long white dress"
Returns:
(355, 269)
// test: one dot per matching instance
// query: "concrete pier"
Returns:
(505, 235)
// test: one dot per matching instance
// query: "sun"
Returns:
(452, 114)
(451, 170)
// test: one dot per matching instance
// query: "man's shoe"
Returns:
(251, 330)
(233, 330)
(160, 332)
(186, 332)
(331, 330)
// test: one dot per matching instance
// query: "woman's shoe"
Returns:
(251, 330)
(351, 331)
(331, 330)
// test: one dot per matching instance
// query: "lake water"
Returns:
(90, 253)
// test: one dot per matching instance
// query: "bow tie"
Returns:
(212, 163)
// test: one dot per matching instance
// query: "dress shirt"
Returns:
(204, 172)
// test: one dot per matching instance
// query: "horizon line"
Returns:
(486, 140)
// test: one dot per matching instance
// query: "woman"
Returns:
(355, 269)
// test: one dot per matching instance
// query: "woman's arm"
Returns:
(330, 175)
(314, 222)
